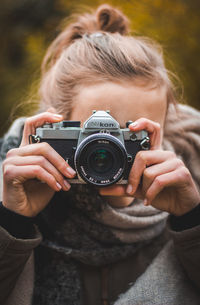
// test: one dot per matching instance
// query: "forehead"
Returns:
(125, 102)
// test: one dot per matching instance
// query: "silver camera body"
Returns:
(101, 152)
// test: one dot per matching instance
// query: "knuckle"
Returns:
(184, 172)
(8, 171)
(29, 121)
(148, 174)
(142, 121)
(5, 163)
(45, 147)
(158, 182)
(172, 154)
(41, 161)
(37, 170)
(179, 163)
(141, 156)
(11, 152)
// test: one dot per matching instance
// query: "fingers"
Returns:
(41, 156)
(41, 162)
(153, 129)
(117, 191)
(45, 150)
(142, 160)
(19, 174)
(38, 120)
(177, 177)
(116, 196)
(114, 190)
(150, 173)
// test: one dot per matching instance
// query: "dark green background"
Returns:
(28, 26)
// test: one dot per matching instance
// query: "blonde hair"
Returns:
(97, 48)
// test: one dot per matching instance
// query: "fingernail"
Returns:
(129, 189)
(145, 201)
(134, 124)
(58, 186)
(67, 185)
(58, 116)
(70, 171)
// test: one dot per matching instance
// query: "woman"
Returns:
(107, 245)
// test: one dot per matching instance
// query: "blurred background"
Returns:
(28, 26)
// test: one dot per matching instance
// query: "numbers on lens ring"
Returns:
(92, 180)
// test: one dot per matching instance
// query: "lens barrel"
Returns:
(101, 159)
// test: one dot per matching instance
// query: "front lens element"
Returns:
(101, 160)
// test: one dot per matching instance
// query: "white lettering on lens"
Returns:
(104, 181)
(118, 173)
(92, 180)
(103, 141)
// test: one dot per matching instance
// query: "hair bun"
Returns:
(106, 18)
(112, 20)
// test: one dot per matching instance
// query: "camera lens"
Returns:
(101, 159)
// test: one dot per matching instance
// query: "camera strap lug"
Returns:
(34, 139)
(129, 158)
(145, 144)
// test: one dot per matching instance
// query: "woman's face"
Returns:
(125, 102)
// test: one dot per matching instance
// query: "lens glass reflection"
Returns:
(101, 160)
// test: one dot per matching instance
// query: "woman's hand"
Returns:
(158, 177)
(32, 173)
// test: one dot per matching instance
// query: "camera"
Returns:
(101, 152)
